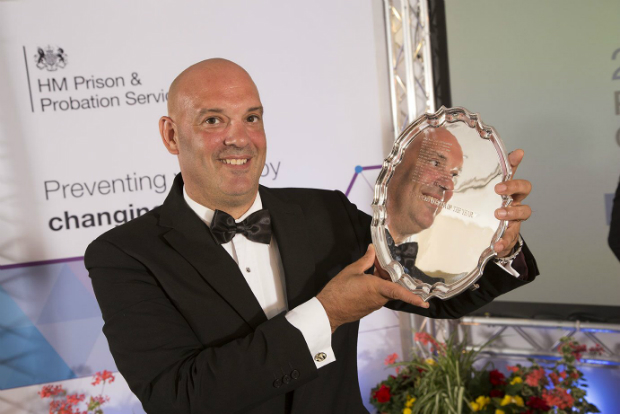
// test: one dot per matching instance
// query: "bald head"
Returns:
(439, 141)
(427, 170)
(215, 128)
(204, 75)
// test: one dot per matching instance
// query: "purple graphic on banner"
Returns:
(42, 263)
(359, 170)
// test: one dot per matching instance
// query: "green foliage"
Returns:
(442, 379)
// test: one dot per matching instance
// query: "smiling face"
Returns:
(422, 181)
(215, 126)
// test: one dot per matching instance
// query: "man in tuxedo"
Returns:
(214, 305)
(614, 226)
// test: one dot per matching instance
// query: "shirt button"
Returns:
(247, 269)
(295, 374)
(286, 379)
(277, 383)
(320, 357)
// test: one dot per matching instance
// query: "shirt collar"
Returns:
(206, 214)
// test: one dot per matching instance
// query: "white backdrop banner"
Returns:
(82, 94)
(83, 85)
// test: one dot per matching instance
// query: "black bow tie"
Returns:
(257, 227)
(405, 253)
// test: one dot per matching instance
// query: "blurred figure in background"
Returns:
(614, 226)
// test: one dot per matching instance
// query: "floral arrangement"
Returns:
(441, 378)
(64, 403)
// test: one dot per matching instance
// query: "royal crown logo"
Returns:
(50, 58)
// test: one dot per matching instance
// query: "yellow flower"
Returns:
(430, 361)
(480, 403)
(518, 400)
(483, 401)
(406, 410)
(498, 411)
(410, 401)
(516, 380)
(512, 399)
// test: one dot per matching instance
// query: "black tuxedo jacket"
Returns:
(189, 336)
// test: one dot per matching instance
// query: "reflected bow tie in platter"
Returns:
(257, 227)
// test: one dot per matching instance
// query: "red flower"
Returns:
(536, 377)
(555, 379)
(558, 397)
(63, 407)
(496, 394)
(512, 369)
(391, 359)
(105, 376)
(75, 399)
(497, 378)
(425, 338)
(537, 403)
(382, 395)
(51, 391)
(574, 348)
(99, 399)
(596, 349)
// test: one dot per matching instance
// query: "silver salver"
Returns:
(433, 223)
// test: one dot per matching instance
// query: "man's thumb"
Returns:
(366, 261)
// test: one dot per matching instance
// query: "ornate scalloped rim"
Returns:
(394, 268)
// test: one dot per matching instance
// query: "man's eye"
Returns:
(212, 121)
(253, 118)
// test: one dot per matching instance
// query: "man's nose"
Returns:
(446, 182)
(236, 134)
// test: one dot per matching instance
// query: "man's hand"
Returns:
(352, 294)
(516, 212)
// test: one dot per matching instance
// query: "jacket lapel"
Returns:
(289, 229)
(192, 239)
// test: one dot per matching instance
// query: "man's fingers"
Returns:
(514, 213)
(517, 189)
(515, 158)
(504, 245)
(379, 271)
(394, 291)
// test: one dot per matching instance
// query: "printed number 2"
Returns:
(616, 75)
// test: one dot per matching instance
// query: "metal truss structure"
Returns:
(512, 338)
(412, 94)
(410, 60)
(539, 339)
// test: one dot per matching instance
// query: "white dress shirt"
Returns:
(261, 266)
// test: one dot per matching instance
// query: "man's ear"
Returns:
(169, 135)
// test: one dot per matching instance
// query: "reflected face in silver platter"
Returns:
(422, 182)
